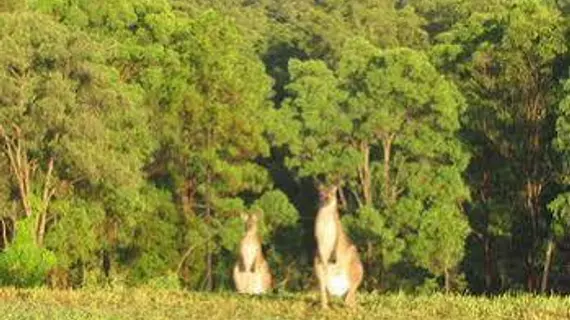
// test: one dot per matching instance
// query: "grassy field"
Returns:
(158, 304)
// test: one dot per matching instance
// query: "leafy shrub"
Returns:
(23, 263)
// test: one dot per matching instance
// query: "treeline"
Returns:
(134, 133)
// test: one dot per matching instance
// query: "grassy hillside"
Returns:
(157, 304)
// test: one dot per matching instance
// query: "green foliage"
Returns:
(396, 101)
(24, 263)
(506, 59)
(316, 121)
(444, 122)
(561, 215)
(73, 238)
(277, 212)
(440, 227)
(369, 225)
(151, 238)
(321, 28)
(560, 205)
(398, 92)
(63, 74)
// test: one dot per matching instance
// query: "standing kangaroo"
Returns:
(251, 273)
(344, 274)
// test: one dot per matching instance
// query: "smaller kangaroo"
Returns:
(251, 273)
(344, 274)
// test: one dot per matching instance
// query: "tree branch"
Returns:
(49, 191)
(4, 234)
(19, 165)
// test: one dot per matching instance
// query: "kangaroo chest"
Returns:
(249, 253)
(326, 233)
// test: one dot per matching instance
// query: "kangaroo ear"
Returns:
(244, 216)
(333, 190)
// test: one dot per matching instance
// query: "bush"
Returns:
(23, 263)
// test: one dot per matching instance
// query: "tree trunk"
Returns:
(19, 165)
(535, 171)
(388, 190)
(342, 198)
(4, 234)
(209, 277)
(547, 263)
(533, 191)
(186, 194)
(22, 168)
(447, 280)
(488, 263)
(106, 265)
(369, 257)
(42, 213)
(366, 179)
(489, 268)
(209, 280)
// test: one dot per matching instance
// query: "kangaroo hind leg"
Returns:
(356, 273)
(321, 277)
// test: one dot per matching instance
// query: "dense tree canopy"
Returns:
(135, 133)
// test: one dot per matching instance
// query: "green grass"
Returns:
(161, 304)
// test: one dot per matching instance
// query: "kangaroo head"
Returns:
(251, 219)
(327, 194)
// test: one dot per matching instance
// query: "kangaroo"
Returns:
(251, 273)
(344, 273)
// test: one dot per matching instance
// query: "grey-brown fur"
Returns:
(334, 247)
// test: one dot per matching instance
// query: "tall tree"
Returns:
(505, 62)
(407, 111)
(213, 126)
(68, 124)
(386, 123)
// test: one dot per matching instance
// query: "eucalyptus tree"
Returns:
(68, 124)
(386, 123)
(506, 58)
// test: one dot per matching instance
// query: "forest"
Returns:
(134, 134)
